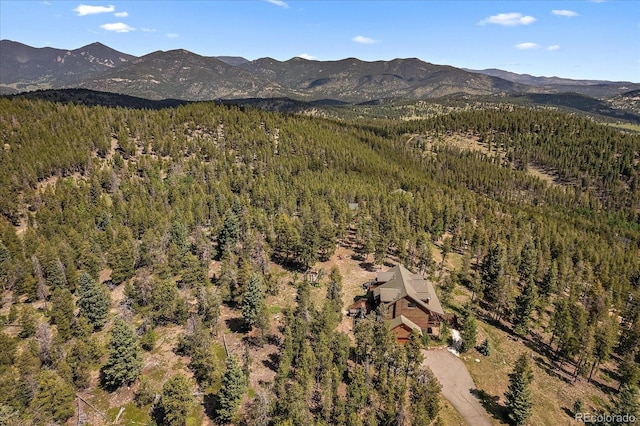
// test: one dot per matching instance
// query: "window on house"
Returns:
(411, 305)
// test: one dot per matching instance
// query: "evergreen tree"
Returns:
(357, 391)
(493, 265)
(234, 384)
(27, 321)
(525, 304)
(55, 274)
(308, 251)
(62, 311)
(5, 257)
(176, 400)
(193, 273)
(413, 349)
(122, 261)
(626, 404)
(518, 395)
(605, 339)
(424, 397)
(125, 362)
(629, 370)
(208, 305)
(528, 262)
(80, 360)
(230, 233)
(54, 397)
(93, 300)
(469, 329)
(253, 304)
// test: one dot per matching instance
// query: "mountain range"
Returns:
(184, 75)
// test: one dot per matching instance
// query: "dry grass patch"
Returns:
(553, 396)
(449, 415)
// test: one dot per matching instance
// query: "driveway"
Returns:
(456, 385)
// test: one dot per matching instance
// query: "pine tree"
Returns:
(93, 300)
(518, 395)
(208, 305)
(62, 311)
(308, 251)
(469, 329)
(253, 302)
(54, 273)
(122, 261)
(626, 404)
(525, 304)
(5, 257)
(528, 262)
(229, 234)
(176, 400)
(125, 362)
(234, 384)
(629, 371)
(424, 397)
(54, 397)
(357, 391)
(193, 273)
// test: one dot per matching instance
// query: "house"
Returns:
(410, 301)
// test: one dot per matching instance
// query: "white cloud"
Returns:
(526, 46)
(553, 47)
(278, 3)
(121, 14)
(565, 12)
(307, 56)
(148, 30)
(173, 35)
(117, 27)
(508, 19)
(363, 40)
(46, 3)
(85, 9)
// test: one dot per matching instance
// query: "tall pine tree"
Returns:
(62, 311)
(176, 400)
(125, 362)
(525, 303)
(234, 384)
(253, 305)
(93, 300)
(518, 395)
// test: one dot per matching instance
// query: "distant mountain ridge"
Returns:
(180, 74)
(594, 88)
(28, 68)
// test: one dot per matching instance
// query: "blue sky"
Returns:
(577, 39)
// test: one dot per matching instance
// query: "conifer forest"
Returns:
(194, 264)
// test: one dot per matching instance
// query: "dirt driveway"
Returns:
(456, 385)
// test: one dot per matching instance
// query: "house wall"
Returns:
(401, 333)
(415, 314)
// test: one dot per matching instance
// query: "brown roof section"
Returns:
(399, 282)
(397, 321)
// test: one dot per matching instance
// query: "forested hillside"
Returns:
(120, 225)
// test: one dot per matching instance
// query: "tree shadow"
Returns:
(211, 403)
(552, 369)
(367, 266)
(358, 257)
(237, 325)
(490, 403)
(272, 361)
(604, 387)
(569, 412)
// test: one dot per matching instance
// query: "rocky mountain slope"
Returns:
(180, 74)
